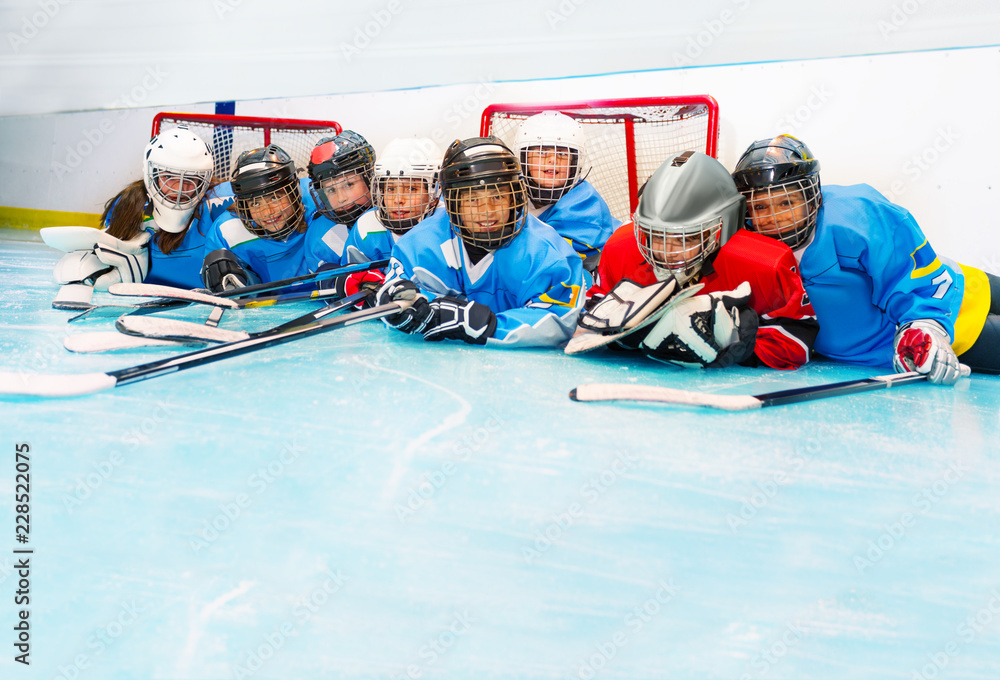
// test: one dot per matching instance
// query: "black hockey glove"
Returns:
(459, 319)
(413, 319)
(221, 270)
(716, 329)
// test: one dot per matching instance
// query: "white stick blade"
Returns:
(157, 327)
(666, 395)
(55, 385)
(110, 341)
(154, 290)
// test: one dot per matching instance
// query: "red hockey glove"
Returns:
(924, 346)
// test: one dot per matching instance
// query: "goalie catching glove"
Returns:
(111, 260)
(716, 329)
(458, 319)
(924, 346)
(626, 305)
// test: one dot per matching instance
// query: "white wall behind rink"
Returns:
(921, 127)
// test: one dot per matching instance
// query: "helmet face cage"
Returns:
(402, 201)
(678, 251)
(343, 197)
(273, 214)
(177, 171)
(488, 215)
(786, 212)
(550, 171)
(551, 148)
(780, 179)
(176, 188)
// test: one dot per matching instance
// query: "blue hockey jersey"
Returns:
(269, 259)
(581, 217)
(181, 268)
(534, 285)
(868, 269)
(326, 240)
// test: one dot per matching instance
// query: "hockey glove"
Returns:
(626, 306)
(717, 329)
(221, 270)
(413, 319)
(458, 319)
(350, 284)
(129, 261)
(79, 266)
(924, 346)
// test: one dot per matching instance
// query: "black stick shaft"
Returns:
(801, 394)
(247, 291)
(208, 355)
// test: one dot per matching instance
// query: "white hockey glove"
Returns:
(924, 346)
(626, 306)
(79, 266)
(109, 260)
(129, 260)
(717, 329)
(458, 319)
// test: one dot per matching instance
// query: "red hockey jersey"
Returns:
(788, 324)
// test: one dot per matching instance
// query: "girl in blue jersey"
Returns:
(485, 270)
(155, 228)
(340, 170)
(405, 191)
(263, 236)
(553, 156)
(881, 293)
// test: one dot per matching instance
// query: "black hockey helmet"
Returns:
(780, 179)
(262, 170)
(346, 154)
(333, 156)
(266, 177)
(483, 163)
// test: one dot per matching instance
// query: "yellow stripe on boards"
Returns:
(28, 218)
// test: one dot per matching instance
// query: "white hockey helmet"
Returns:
(415, 159)
(561, 163)
(177, 171)
(689, 208)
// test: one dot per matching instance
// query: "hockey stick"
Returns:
(148, 331)
(90, 383)
(236, 294)
(736, 402)
(186, 331)
(105, 311)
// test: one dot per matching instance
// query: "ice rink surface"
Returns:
(361, 504)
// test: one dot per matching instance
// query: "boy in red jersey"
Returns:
(686, 227)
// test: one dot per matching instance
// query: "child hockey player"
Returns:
(553, 156)
(263, 237)
(405, 191)
(341, 172)
(485, 270)
(686, 228)
(155, 228)
(881, 293)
